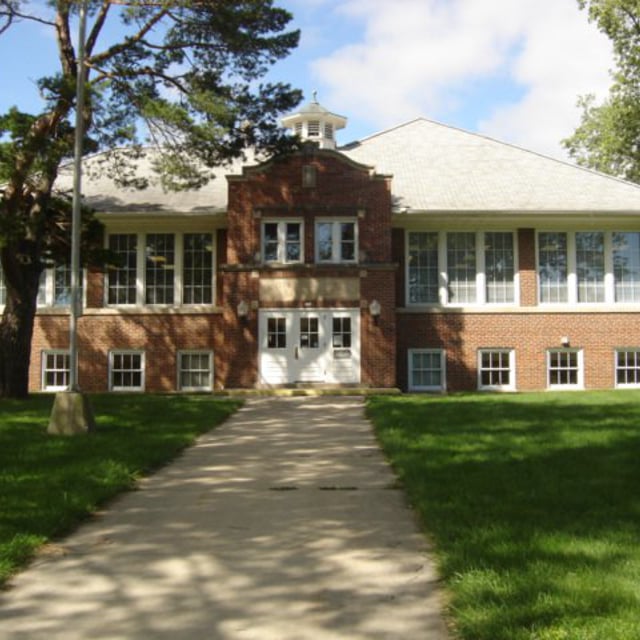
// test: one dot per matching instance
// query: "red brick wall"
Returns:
(530, 334)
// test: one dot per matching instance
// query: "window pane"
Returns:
(499, 266)
(564, 368)
(62, 285)
(160, 268)
(426, 369)
(590, 266)
(423, 267)
(197, 287)
(461, 266)
(276, 333)
(121, 280)
(495, 368)
(195, 370)
(270, 249)
(325, 241)
(292, 247)
(126, 371)
(347, 241)
(626, 266)
(552, 266)
(55, 374)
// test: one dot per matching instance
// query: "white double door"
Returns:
(319, 345)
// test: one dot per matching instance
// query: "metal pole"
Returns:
(76, 301)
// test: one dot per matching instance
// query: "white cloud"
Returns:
(418, 57)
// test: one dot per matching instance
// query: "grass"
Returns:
(533, 504)
(48, 484)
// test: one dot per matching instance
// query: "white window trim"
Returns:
(623, 385)
(443, 279)
(139, 352)
(43, 369)
(188, 389)
(512, 370)
(282, 237)
(443, 367)
(48, 288)
(560, 387)
(336, 240)
(178, 272)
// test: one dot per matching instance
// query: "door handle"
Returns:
(297, 353)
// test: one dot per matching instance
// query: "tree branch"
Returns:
(65, 45)
(123, 46)
(97, 26)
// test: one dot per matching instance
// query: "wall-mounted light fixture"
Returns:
(243, 309)
(374, 310)
(564, 341)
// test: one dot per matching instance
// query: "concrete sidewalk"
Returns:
(283, 524)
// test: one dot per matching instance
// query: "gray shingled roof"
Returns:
(440, 168)
(435, 168)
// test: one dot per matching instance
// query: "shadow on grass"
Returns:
(533, 504)
(49, 484)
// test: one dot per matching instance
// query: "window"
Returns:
(159, 268)
(197, 265)
(309, 176)
(626, 266)
(195, 370)
(628, 368)
(461, 267)
(552, 266)
(590, 266)
(276, 333)
(55, 370)
(426, 370)
(313, 128)
(309, 333)
(564, 368)
(496, 369)
(282, 241)
(126, 371)
(336, 241)
(341, 333)
(423, 267)
(121, 280)
(499, 267)
(328, 131)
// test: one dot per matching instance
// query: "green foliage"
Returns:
(49, 484)
(608, 137)
(531, 502)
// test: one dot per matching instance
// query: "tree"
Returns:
(185, 76)
(608, 137)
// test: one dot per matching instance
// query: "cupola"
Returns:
(314, 123)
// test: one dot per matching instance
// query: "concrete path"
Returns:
(283, 524)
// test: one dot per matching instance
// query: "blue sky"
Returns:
(510, 69)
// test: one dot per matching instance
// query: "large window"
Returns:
(590, 266)
(628, 368)
(461, 267)
(122, 278)
(553, 266)
(161, 269)
(336, 241)
(499, 266)
(626, 266)
(496, 369)
(55, 370)
(564, 368)
(426, 370)
(423, 267)
(126, 371)
(282, 241)
(195, 370)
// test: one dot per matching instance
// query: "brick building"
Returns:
(423, 257)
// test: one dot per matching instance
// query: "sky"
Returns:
(508, 69)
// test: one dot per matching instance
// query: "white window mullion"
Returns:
(442, 268)
(177, 274)
(572, 271)
(609, 280)
(141, 263)
(481, 279)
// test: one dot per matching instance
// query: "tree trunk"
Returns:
(16, 327)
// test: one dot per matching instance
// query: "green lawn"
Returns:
(50, 483)
(533, 504)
